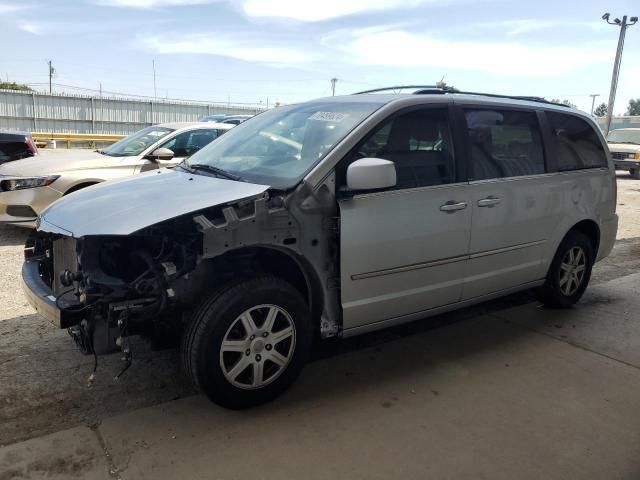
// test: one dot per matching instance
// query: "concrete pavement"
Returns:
(519, 393)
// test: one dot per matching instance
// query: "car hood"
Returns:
(624, 147)
(121, 207)
(59, 161)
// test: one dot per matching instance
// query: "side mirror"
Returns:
(161, 154)
(371, 174)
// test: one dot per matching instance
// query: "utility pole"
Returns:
(593, 100)
(51, 72)
(333, 86)
(616, 64)
(155, 91)
(101, 117)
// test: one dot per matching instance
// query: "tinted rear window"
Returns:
(575, 143)
(504, 143)
(13, 147)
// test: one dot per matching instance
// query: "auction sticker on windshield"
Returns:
(328, 116)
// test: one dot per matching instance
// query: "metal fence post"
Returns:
(151, 122)
(93, 116)
(33, 106)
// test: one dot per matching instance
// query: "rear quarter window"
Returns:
(504, 143)
(575, 143)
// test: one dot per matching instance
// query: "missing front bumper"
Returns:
(42, 299)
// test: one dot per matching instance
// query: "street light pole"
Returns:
(333, 86)
(616, 64)
(593, 100)
(155, 91)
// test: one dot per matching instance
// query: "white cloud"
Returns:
(259, 50)
(152, 3)
(312, 11)
(397, 48)
(523, 26)
(520, 27)
(11, 7)
(32, 27)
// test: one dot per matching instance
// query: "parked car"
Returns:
(224, 118)
(624, 144)
(235, 119)
(16, 145)
(333, 217)
(29, 186)
(216, 117)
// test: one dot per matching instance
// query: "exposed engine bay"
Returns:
(110, 287)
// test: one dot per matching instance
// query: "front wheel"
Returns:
(569, 272)
(635, 173)
(248, 342)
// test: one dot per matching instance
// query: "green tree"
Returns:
(563, 102)
(601, 110)
(15, 86)
(634, 107)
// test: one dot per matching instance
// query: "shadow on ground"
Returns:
(44, 377)
(11, 235)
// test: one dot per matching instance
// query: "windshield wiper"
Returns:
(629, 143)
(215, 170)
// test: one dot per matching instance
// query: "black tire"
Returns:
(553, 293)
(213, 321)
(635, 173)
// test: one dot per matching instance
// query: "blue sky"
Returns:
(288, 50)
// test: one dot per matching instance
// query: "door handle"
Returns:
(489, 201)
(451, 206)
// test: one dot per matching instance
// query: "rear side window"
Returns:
(188, 143)
(575, 143)
(504, 143)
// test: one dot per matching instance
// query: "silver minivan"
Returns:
(328, 218)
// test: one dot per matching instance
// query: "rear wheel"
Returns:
(248, 342)
(569, 272)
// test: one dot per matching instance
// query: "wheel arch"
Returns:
(281, 262)
(80, 186)
(592, 231)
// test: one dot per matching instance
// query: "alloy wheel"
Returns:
(257, 347)
(572, 270)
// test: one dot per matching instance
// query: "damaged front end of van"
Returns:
(106, 280)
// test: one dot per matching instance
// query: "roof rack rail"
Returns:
(438, 90)
(513, 97)
(423, 89)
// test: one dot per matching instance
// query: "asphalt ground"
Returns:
(410, 399)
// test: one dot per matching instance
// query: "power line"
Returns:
(133, 95)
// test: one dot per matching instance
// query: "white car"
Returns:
(28, 186)
(333, 217)
(624, 144)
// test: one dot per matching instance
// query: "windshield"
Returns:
(624, 136)
(279, 147)
(137, 143)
